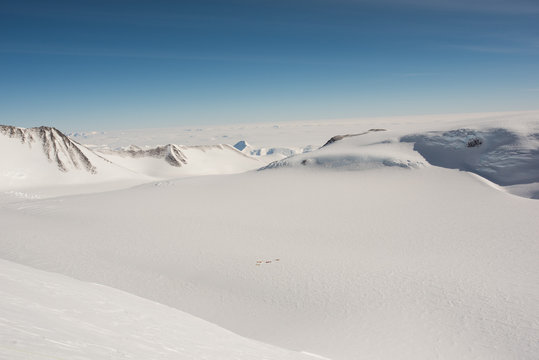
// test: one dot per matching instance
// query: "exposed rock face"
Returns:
(57, 147)
(474, 142)
(171, 153)
(340, 137)
(499, 155)
(174, 155)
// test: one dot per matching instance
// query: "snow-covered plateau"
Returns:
(381, 238)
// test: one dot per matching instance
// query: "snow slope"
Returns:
(172, 161)
(507, 157)
(41, 160)
(500, 155)
(44, 157)
(508, 147)
(49, 316)
(269, 154)
(374, 246)
(388, 263)
(368, 150)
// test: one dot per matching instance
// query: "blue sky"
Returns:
(128, 64)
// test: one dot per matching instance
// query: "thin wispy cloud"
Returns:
(299, 52)
(514, 7)
(416, 74)
(488, 49)
(158, 55)
(500, 45)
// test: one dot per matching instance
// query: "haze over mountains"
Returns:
(40, 157)
(43, 156)
(415, 242)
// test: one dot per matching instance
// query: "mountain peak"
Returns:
(241, 145)
(56, 146)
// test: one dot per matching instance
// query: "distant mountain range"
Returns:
(44, 156)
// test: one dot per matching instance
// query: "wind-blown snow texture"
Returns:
(49, 316)
(500, 155)
(358, 249)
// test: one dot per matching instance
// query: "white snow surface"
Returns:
(366, 151)
(50, 316)
(507, 151)
(44, 157)
(45, 162)
(194, 161)
(269, 154)
(376, 246)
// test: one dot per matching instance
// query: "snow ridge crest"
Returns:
(57, 147)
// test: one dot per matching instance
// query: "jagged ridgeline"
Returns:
(57, 147)
(43, 156)
(171, 153)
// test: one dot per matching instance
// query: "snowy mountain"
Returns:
(508, 158)
(58, 148)
(398, 244)
(368, 150)
(269, 154)
(45, 157)
(503, 156)
(170, 161)
(170, 153)
(243, 145)
(340, 137)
